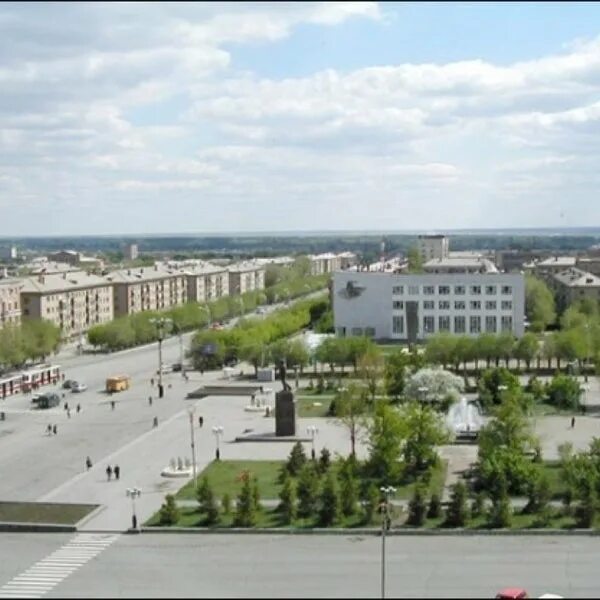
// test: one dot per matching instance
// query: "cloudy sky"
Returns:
(215, 117)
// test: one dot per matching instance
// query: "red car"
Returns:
(511, 594)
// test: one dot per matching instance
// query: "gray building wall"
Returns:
(367, 307)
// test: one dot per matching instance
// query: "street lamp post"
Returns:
(191, 412)
(133, 493)
(423, 392)
(207, 309)
(161, 325)
(312, 430)
(387, 491)
(218, 431)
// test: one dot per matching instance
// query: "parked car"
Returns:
(48, 401)
(68, 383)
(176, 367)
(165, 369)
(78, 386)
(511, 594)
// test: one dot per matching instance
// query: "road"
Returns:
(255, 566)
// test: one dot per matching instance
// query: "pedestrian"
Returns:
(112, 404)
(49, 429)
(572, 422)
(88, 463)
(152, 381)
(69, 413)
(63, 395)
(117, 471)
(186, 377)
(155, 422)
(54, 430)
(108, 472)
(78, 408)
(201, 421)
(201, 370)
(149, 400)
(62, 376)
(66, 406)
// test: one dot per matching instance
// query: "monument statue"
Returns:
(282, 372)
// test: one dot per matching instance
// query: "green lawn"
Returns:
(41, 512)
(313, 406)
(554, 472)
(224, 478)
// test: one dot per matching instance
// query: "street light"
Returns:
(218, 431)
(133, 493)
(312, 430)
(387, 491)
(423, 392)
(162, 323)
(191, 412)
(207, 309)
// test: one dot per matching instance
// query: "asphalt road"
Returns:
(253, 566)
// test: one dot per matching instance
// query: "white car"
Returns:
(78, 386)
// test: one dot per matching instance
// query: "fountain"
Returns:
(464, 419)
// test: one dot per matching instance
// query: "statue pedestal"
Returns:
(285, 414)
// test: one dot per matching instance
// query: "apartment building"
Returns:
(412, 307)
(589, 264)
(147, 288)
(10, 301)
(206, 282)
(76, 259)
(246, 277)
(433, 246)
(73, 300)
(574, 284)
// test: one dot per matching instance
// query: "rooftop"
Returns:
(461, 262)
(574, 277)
(59, 282)
(557, 261)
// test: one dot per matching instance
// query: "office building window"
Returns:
(370, 331)
(490, 305)
(444, 305)
(413, 290)
(475, 324)
(490, 324)
(443, 290)
(459, 290)
(475, 305)
(476, 290)
(459, 305)
(357, 331)
(428, 290)
(428, 325)
(428, 305)
(490, 290)
(459, 325)
(398, 305)
(506, 305)
(398, 325)
(506, 322)
(506, 290)
(444, 324)
(398, 290)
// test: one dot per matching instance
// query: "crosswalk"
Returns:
(50, 571)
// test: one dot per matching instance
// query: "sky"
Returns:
(148, 118)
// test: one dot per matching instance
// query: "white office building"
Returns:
(433, 247)
(412, 307)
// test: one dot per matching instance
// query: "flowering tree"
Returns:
(434, 385)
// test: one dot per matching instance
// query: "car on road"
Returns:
(176, 367)
(78, 386)
(68, 383)
(165, 369)
(511, 594)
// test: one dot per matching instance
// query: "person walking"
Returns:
(69, 413)
(152, 381)
(66, 406)
(200, 421)
(108, 472)
(117, 471)
(112, 404)
(572, 422)
(149, 400)
(155, 422)
(88, 463)
(78, 408)
(54, 430)
(49, 429)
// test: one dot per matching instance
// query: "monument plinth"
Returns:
(285, 408)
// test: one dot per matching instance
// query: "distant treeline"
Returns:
(367, 246)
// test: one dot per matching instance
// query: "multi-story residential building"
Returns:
(73, 300)
(131, 252)
(590, 264)
(411, 307)
(76, 259)
(455, 264)
(280, 261)
(206, 282)
(347, 260)
(10, 301)
(147, 288)
(574, 284)
(324, 263)
(8, 253)
(246, 277)
(433, 246)
(553, 264)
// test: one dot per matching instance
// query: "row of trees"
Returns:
(137, 329)
(33, 340)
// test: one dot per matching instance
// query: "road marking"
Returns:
(44, 575)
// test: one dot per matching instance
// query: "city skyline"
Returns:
(141, 119)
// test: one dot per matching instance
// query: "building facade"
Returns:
(574, 284)
(206, 282)
(147, 288)
(452, 264)
(246, 277)
(131, 252)
(74, 301)
(413, 307)
(10, 301)
(433, 246)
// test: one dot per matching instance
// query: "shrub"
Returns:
(320, 385)
(296, 460)
(435, 507)
(417, 507)
(457, 511)
(478, 504)
(208, 504)
(169, 513)
(329, 502)
(370, 503)
(226, 504)
(324, 460)
(287, 504)
(500, 514)
(307, 489)
(348, 493)
(245, 514)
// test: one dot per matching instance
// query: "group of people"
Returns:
(110, 470)
(51, 429)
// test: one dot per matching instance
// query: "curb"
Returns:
(36, 528)
(90, 515)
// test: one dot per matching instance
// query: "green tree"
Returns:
(246, 514)
(539, 303)
(417, 506)
(527, 348)
(587, 508)
(41, 338)
(539, 494)
(329, 502)
(296, 459)
(394, 373)
(348, 487)
(169, 513)
(307, 489)
(351, 405)
(415, 262)
(440, 349)
(492, 382)
(287, 504)
(226, 504)
(565, 392)
(370, 502)
(207, 501)
(435, 507)
(324, 460)
(370, 367)
(385, 440)
(457, 513)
